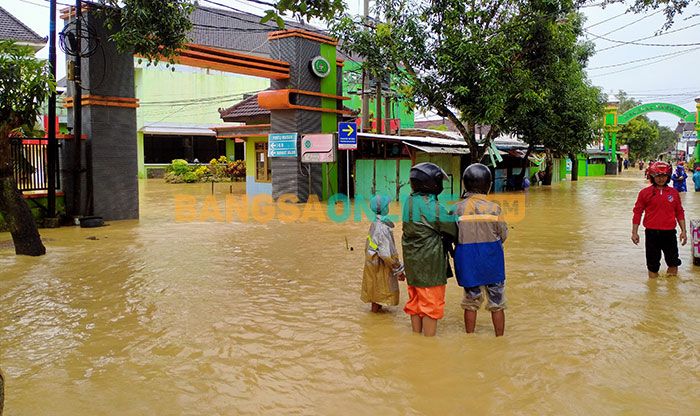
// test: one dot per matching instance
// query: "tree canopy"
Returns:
(514, 65)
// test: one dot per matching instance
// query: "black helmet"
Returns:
(427, 178)
(477, 179)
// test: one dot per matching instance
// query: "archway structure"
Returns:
(613, 121)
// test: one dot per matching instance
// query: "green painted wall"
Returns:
(581, 164)
(562, 169)
(230, 149)
(352, 82)
(450, 164)
(596, 169)
(188, 95)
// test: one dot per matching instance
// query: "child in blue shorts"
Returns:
(479, 258)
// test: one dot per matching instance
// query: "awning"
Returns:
(440, 149)
(177, 132)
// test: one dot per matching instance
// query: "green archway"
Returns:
(612, 121)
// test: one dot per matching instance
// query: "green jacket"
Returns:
(425, 223)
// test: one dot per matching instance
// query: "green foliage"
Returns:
(323, 9)
(513, 64)
(154, 29)
(671, 8)
(639, 134)
(190, 177)
(236, 169)
(25, 82)
(218, 170)
(179, 167)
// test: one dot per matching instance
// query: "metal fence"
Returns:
(30, 160)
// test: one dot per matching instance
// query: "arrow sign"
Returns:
(347, 136)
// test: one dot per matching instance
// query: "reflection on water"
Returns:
(160, 317)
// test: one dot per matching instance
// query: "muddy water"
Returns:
(201, 318)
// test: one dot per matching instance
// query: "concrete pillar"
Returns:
(110, 157)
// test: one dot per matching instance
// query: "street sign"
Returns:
(317, 148)
(347, 136)
(282, 145)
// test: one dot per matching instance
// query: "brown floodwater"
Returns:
(167, 317)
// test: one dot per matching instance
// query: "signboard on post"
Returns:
(347, 136)
(317, 148)
(282, 145)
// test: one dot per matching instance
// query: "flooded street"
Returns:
(205, 318)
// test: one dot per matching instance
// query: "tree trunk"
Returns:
(574, 167)
(14, 208)
(2, 391)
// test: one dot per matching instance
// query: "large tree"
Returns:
(556, 106)
(473, 62)
(25, 83)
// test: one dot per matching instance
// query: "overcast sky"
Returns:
(649, 73)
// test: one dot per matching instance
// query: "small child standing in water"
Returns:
(426, 227)
(383, 268)
(479, 258)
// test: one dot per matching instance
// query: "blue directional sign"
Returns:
(282, 145)
(347, 136)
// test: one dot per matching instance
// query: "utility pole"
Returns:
(387, 112)
(52, 145)
(365, 83)
(378, 117)
(77, 114)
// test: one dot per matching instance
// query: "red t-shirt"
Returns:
(661, 207)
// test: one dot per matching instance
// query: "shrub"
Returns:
(179, 167)
(190, 177)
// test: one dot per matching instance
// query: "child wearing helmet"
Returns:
(479, 258)
(696, 179)
(679, 177)
(426, 224)
(662, 209)
(383, 268)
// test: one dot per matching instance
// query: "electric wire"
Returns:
(632, 23)
(636, 41)
(606, 20)
(639, 66)
(642, 59)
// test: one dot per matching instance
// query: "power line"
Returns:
(643, 59)
(639, 66)
(606, 20)
(632, 23)
(636, 41)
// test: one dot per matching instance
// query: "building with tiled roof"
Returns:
(13, 29)
(246, 110)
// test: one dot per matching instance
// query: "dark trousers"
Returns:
(658, 241)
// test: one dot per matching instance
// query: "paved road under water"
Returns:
(165, 317)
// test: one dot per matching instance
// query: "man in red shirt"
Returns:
(662, 208)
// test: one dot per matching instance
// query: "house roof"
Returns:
(236, 31)
(249, 108)
(243, 110)
(13, 29)
(684, 126)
